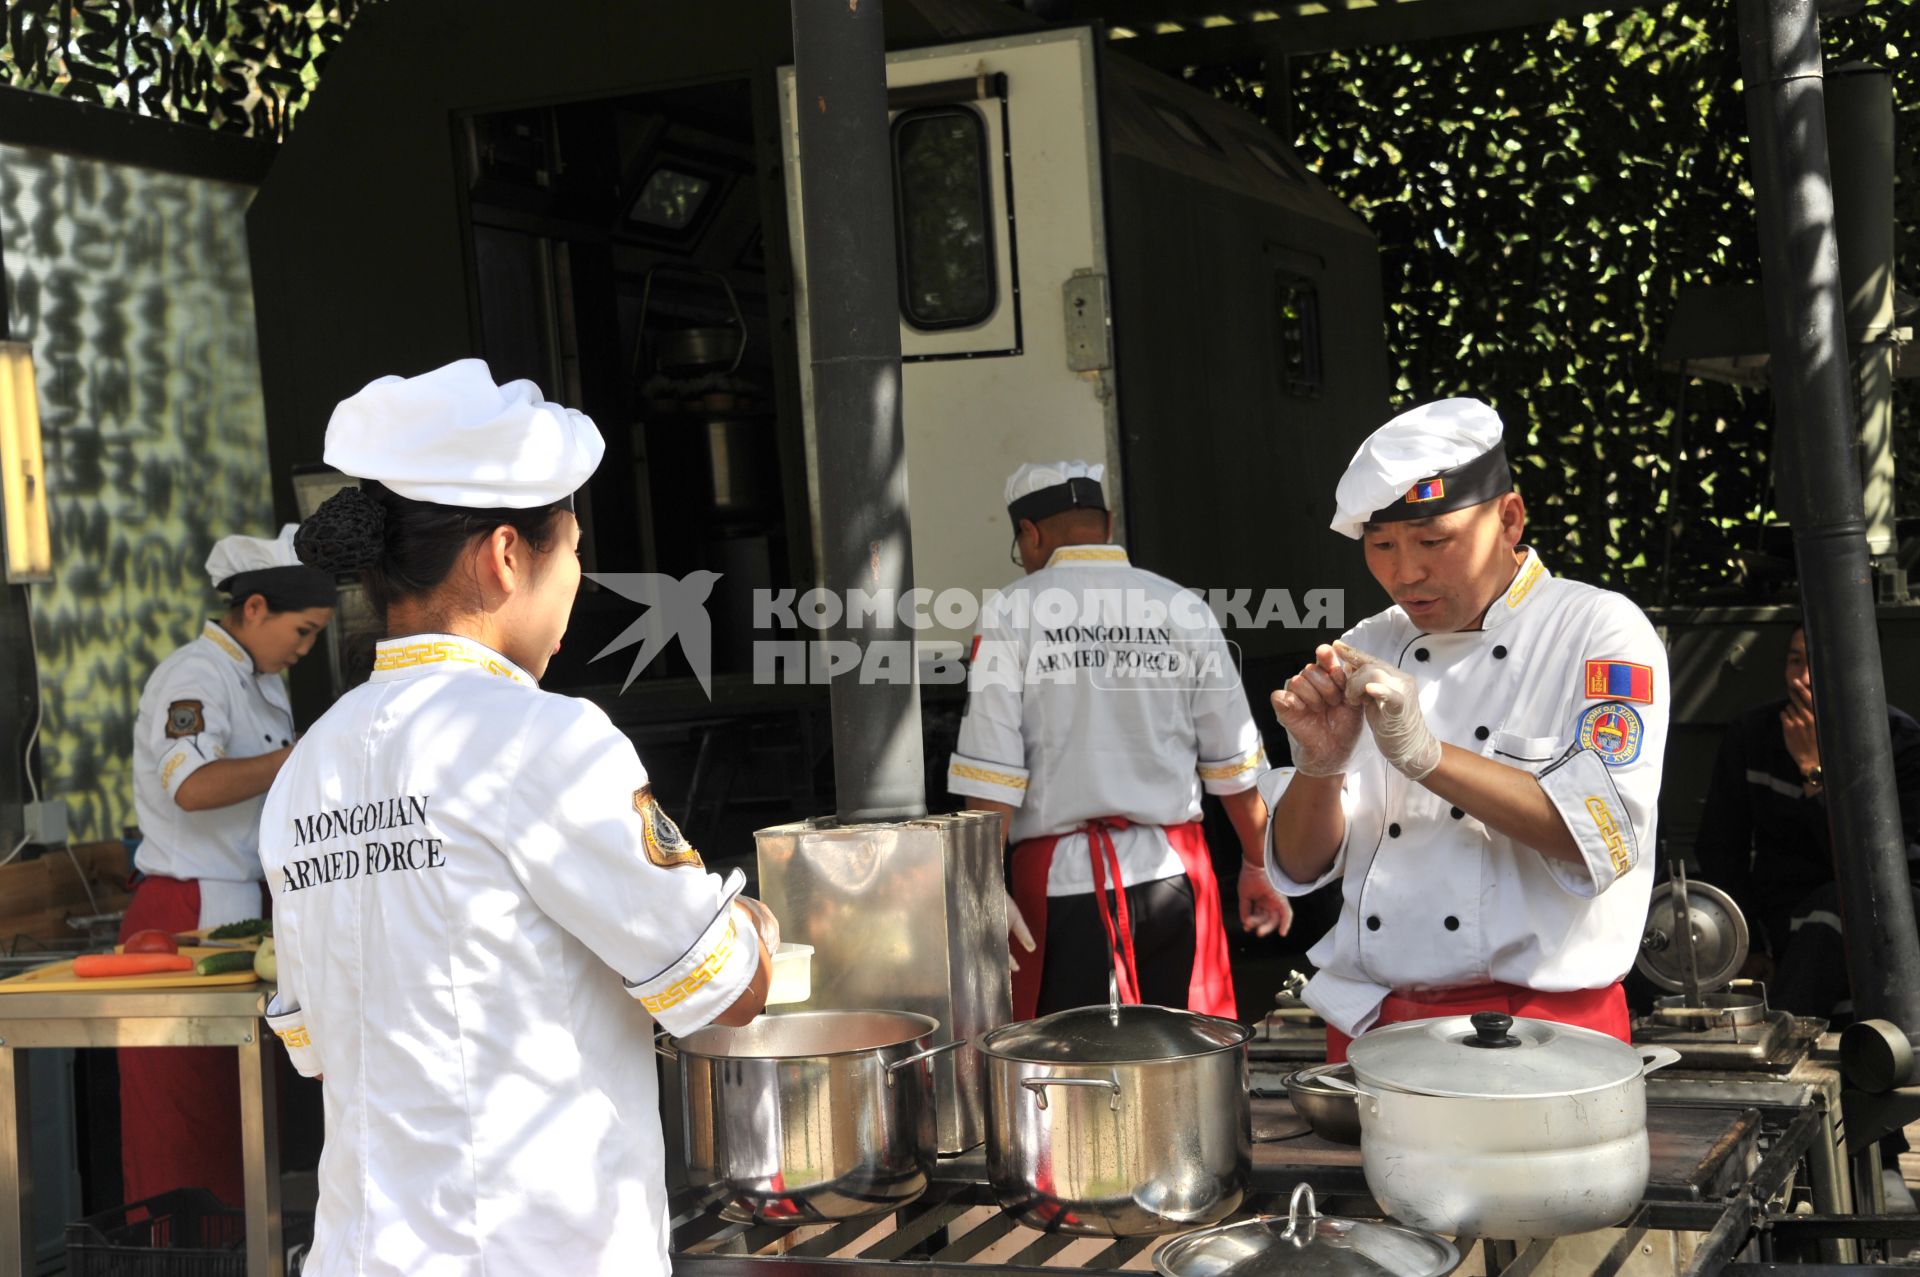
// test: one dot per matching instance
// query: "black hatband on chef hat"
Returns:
(293, 588)
(1079, 493)
(1457, 488)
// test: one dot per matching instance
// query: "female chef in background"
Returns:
(481, 911)
(213, 730)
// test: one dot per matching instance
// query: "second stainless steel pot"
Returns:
(1118, 1122)
(816, 1115)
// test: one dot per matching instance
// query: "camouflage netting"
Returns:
(1541, 195)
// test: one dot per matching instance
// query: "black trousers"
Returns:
(1076, 961)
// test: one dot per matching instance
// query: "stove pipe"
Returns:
(1860, 132)
(853, 322)
(1821, 495)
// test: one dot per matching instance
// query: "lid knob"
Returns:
(1490, 1030)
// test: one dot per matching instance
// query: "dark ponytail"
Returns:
(405, 549)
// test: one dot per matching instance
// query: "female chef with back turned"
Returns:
(473, 884)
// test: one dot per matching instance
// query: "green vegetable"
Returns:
(246, 930)
(225, 963)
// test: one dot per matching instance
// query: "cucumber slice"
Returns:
(225, 963)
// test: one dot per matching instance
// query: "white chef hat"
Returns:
(1042, 488)
(1439, 457)
(453, 437)
(242, 566)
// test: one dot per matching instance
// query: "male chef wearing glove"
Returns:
(1479, 763)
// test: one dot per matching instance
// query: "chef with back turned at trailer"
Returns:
(1479, 763)
(1102, 700)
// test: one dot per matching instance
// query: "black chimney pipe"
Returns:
(1820, 491)
(853, 323)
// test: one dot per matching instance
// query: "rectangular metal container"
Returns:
(903, 917)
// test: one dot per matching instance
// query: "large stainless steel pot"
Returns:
(1118, 1121)
(815, 1115)
(1495, 1127)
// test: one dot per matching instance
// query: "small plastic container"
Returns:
(792, 975)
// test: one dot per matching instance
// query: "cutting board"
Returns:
(58, 977)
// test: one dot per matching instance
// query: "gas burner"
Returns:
(1694, 945)
(1291, 1033)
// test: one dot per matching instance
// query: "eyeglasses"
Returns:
(1014, 552)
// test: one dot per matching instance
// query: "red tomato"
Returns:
(150, 942)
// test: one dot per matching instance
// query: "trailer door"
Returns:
(1003, 327)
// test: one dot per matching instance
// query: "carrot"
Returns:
(91, 965)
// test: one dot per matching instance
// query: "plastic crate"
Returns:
(185, 1233)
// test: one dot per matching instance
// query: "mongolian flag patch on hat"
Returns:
(1427, 490)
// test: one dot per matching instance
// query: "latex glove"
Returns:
(1263, 910)
(1391, 698)
(762, 919)
(1017, 924)
(1323, 725)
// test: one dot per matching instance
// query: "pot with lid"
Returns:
(1500, 1127)
(1118, 1121)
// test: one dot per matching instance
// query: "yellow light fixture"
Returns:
(23, 472)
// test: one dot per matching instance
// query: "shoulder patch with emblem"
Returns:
(1620, 681)
(186, 718)
(666, 846)
(1613, 731)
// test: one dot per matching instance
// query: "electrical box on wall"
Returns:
(46, 822)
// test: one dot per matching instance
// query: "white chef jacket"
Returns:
(1100, 689)
(464, 869)
(1432, 898)
(205, 702)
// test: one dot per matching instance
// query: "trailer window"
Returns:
(1279, 167)
(1185, 125)
(1296, 309)
(942, 218)
(670, 199)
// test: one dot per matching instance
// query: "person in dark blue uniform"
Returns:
(1764, 837)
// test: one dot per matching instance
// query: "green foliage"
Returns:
(242, 66)
(1541, 195)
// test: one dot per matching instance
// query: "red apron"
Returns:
(1209, 990)
(179, 1106)
(1604, 1010)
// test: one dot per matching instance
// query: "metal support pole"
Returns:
(1820, 492)
(853, 323)
(16, 1174)
(260, 1156)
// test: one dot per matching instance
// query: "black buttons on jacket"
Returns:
(1373, 922)
(1419, 653)
(1452, 923)
(1393, 831)
(1481, 733)
(1456, 813)
(1500, 653)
